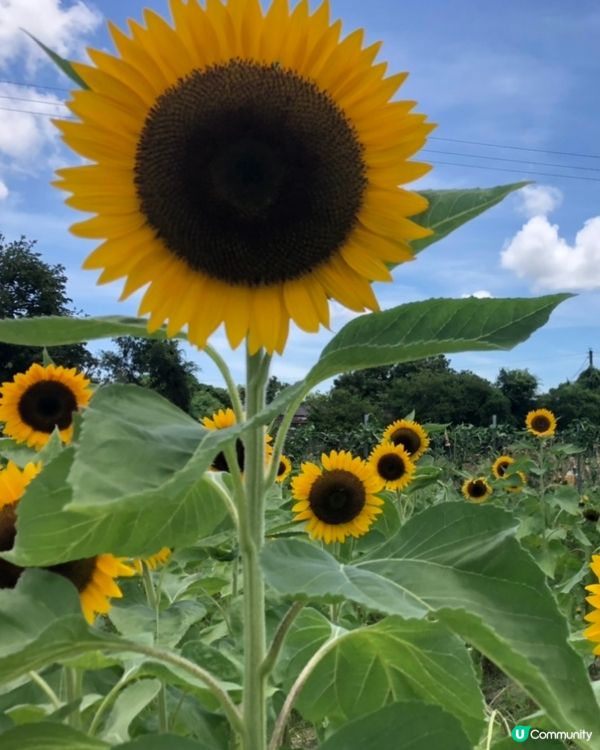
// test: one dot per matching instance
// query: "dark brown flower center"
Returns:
(46, 405)
(477, 488)
(79, 572)
(281, 469)
(502, 467)
(337, 496)
(407, 438)
(540, 423)
(220, 462)
(249, 173)
(391, 467)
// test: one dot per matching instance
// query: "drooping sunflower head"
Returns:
(337, 499)
(592, 633)
(410, 435)
(393, 465)
(245, 168)
(43, 399)
(284, 469)
(94, 578)
(500, 466)
(476, 490)
(13, 483)
(541, 423)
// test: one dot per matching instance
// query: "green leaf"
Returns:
(164, 742)
(401, 726)
(436, 326)
(60, 62)
(54, 330)
(16, 452)
(49, 532)
(463, 564)
(450, 209)
(132, 620)
(48, 736)
(392, 661)
(130, 702)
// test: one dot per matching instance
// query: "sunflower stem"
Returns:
(73, 683)
(279, 637)
(282, 432)
(154, 601)
(43, 685)
(234, 394)
(251, 540)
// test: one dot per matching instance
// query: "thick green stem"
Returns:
(232, 388)
(542, 493)
(251, 541)
(154, 602)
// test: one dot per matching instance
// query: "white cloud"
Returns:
(539, 200)
(538, 253)
(3, 191)
(479, 294)
(61, 26)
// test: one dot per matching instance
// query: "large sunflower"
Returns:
(245, 167)
(36, 402)
(541, 423)
(92, 576)
(476, 490)
(410, 435)
(592, 633)
(337, 499)
(283, 469)
(393, 465)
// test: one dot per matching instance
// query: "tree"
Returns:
(152, 363)
(572, 402)
(519, 387)
(30, 287)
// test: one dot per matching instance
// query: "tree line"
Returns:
(432, 388)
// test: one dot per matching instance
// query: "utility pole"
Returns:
(591, 357)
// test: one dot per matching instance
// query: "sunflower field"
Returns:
(168, 583)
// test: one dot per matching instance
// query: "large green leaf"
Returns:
(401, 726)
(56, 331)
(49, 736)
(450, 209)
(391, 661)
(49, 532)
(164, 742)
(463, 564)
(435, 326)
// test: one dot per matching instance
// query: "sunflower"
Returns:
(40, 400)
(410, 435)
(284, 469)
(476, 490)
(221, 420)
(337, 499)
(500, 466)
(541, 423)
(592, 633)
(245, 167)
(93, 577)
(154, 561)
(393, 465)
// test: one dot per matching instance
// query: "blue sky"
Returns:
(521, 74)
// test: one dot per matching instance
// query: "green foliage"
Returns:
(519, 387)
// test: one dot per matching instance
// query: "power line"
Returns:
(515, 148)
(517, 171)
(34, 85)
(514, 161)
(40, 114)
(38, 101)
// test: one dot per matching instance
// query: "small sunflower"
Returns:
(541, 423)
(221, 420)
(284, 469)
(500, 466)
(36, 402)
(337, 499)
(410, 435)
(592, 633)
(245, 168)
(154, 561)
(476, 490)
(93, 577)
(393, 465)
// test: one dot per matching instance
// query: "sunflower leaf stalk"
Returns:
(254, 710)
